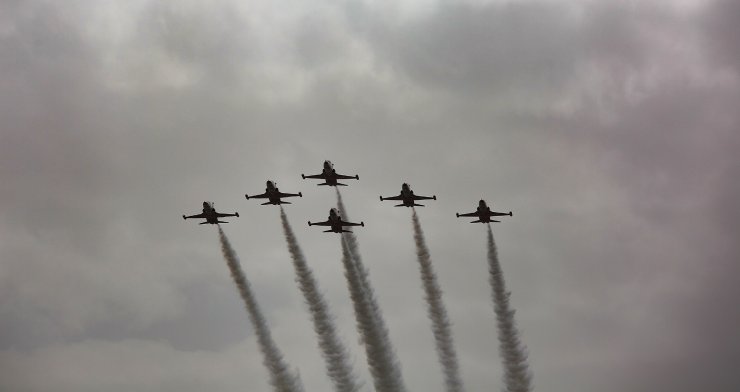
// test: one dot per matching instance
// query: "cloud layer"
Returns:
(609, 129)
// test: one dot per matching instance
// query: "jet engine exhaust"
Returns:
(332, 349)
(281, 378)
(437, 312)
(517, 377)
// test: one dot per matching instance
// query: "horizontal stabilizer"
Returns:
(328, 231)
(203, 223)
(419, 205)
(400, 205)
(341, 184)
(221, 222)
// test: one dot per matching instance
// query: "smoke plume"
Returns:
(354, 247)
(381, 358)
(437, 312)
(281, 378)
(516, 370)
(332, 349)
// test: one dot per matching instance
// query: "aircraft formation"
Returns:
(335, 222)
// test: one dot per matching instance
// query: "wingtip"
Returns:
(457, 215)
(362, 224)
(511, 213)
(300, 194)
(303, 176)
(237, 214)
(309, 223)
(434, 197)
(357, 177)
(381, 198)
(184, 218)
(247, 196)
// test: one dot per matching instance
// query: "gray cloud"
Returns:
(721, 28)
(609, 130)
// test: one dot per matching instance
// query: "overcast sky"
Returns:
(610, 129)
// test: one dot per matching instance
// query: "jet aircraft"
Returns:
(273, 195)
(484, 213)
(330, 176)
(336, 223)
(408, 197)
(210, 215)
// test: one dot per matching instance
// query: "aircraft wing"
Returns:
(499, 214)
(197, 216)
(261, 196)
(424, 197)
(399, 197)
(221, 215)
(344, 177)
(281, 194)
(351, 224)
(324, 223)
(319, 176)
(469, 214)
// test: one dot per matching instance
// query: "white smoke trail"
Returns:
(381, 358)
(334, 352)
(281, 378)
(437, 312)
(353, 244)
(516, 370)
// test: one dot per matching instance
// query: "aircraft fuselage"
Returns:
(483, 213)
(407, 197)
(335, 223)
(330, 175)
(210, 215)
